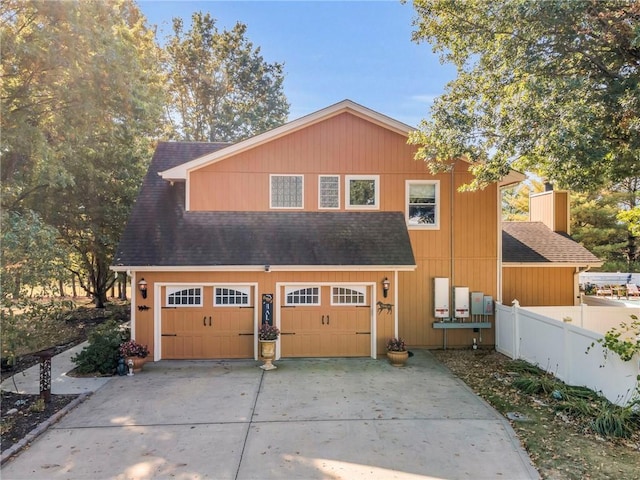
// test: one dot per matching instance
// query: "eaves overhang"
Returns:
(263, 268)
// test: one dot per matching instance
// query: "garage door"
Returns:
(325, 321)
(207, 322)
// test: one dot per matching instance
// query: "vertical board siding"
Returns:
(539, 286)
(347, 144)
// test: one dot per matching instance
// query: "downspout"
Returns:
(451, 239)
(576, 284)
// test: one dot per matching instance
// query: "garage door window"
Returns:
(302, 296)
(230, 297)
(184, 297)
(348, 296)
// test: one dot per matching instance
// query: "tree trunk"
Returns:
(61, 287)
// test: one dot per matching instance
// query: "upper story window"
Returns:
(423, 201)
(329, 191)
(225, 296)
(362, 191)
(286, 191)
(348, 295)
(302, 296)
(184, 297)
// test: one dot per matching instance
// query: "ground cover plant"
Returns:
(569, 432)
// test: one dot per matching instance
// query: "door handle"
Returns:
(204, 321)
(327, 319)
(323, 319)
(209, 320)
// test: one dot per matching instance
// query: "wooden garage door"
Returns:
(325, 330)
(193, 327)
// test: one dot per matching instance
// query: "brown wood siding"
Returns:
(552, 209)
(266, 284)
(538, 286)
(344, 145)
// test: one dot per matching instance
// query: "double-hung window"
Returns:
(286, 191)
(423, 203)
(362, 191)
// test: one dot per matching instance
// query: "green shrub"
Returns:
(101, 356)
(615, 421)
(533, 385)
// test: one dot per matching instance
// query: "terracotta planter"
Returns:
(398, 359)
(138, 363)
(267, 353)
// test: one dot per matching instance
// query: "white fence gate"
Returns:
(560, 348)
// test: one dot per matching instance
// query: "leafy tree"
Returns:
(221, 88)
(594, 223)
(82, 94)
(515, 201)
(544, 86)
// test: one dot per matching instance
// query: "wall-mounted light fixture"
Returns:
(142, 286)
(267, 268)
(385, 287)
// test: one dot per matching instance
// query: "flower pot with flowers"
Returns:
(397, 352)
(267, 336)
(135, 354)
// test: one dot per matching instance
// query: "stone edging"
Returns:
(41, 428)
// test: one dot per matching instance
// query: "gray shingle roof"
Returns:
(161, 233)
(534, 242)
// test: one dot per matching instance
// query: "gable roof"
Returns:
(160, 233)
(180, 172)
(535, 243)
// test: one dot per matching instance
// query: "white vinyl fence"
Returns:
(560, 347)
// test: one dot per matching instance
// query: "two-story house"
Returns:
(326, 226)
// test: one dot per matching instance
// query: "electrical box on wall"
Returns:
(461, 302)
(477, 305)
(441, 297)
(487, 305)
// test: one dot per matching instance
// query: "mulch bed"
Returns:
(16, 426)
(27, 416)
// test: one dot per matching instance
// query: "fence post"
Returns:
(516, 329)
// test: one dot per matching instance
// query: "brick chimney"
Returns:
(551, 207)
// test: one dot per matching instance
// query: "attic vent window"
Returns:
(286, 191)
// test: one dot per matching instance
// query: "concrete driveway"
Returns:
(309, 419)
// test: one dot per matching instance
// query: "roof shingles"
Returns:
(534, 242)
(161, 233)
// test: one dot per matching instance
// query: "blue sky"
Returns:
(331, 50)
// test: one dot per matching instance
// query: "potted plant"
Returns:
(267, 336)
(134, 354)
(397, 352)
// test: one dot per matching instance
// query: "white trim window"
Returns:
(184, 296)
(286, 191)
(423, 204)
(329, 191)
(349, 295)
(362, 191)
(232, 296)
(302, 295)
